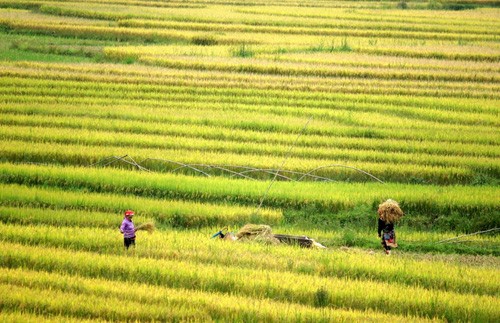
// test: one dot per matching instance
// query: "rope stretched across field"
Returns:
(282, 164)
(468, 235)
(339, 165)
(182, 165)
(106, 162)
(236, 171)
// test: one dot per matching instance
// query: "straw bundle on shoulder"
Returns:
(390, 212)
(257, 232)
(148, 226)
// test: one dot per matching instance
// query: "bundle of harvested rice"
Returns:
(257, 232)
(148, 226)
(390, 212)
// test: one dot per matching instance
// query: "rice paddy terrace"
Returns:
(185, 111)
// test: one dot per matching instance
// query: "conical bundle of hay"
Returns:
(257, 232)
(390, 212)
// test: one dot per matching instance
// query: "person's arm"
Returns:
(381, 224)
(122, 227)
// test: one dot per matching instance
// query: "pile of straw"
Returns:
(148, 226)
(257, 232)
(390, 212)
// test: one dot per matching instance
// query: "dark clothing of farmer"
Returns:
(386, 232)
(389, 213)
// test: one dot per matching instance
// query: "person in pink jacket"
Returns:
(128, 229)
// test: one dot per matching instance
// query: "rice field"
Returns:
(202, 114)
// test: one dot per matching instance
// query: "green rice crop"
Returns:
(150, 120)
(409, 95)
(459, 278)
(173, 213)
(58, 217)
(152, 132)
(461, 170)
(131, 141)
(471, 205)
(355, 294)
(68, 295)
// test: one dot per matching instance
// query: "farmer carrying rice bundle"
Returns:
(389, 213)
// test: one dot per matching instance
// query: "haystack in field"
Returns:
(390, 212)
(264, 233)
(257, 232)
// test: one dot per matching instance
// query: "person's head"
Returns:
(389, 211)
(129, 214)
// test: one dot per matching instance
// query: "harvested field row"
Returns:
(298, 16)
(310, 84)
(288, 69)
(390, 15)
(350, 114)
(124, 93)
(393, 87)
(349, 29)
(191, 35)
(76, 154)
(143, 80)
(298, 55)
(101, 32)
(154, 134)
(104, 83)
(268, 120)
(129, 142)
(312, 26)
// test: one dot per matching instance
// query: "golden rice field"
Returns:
(201, 114)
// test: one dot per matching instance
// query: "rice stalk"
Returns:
(257, 232)
(390, 211)
(148, 226)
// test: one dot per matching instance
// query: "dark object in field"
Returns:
(263, 233)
